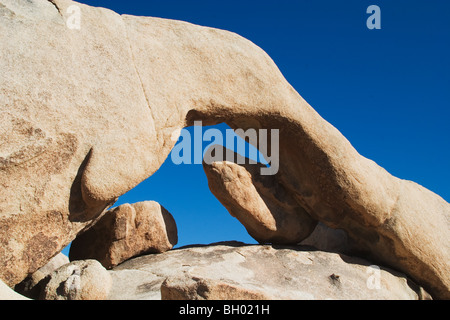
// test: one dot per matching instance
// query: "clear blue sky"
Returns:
(387, 91)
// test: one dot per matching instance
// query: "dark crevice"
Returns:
(56, 6)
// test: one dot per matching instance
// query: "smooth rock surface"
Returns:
(234, 270)
(87, 114)
(6, 293)
(125, 232)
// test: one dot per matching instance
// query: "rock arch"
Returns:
(105, 99)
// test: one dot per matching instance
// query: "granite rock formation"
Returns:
(234, 271)
(87, 114)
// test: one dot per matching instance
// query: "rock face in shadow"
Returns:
(234, 271)
(88, 114)
(126, 232)
(31, 287)
(268, 211)
(330, 240)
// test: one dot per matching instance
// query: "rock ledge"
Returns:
(232, 270)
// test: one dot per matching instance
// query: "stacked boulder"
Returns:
(126, 232)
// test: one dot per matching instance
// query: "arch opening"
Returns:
(181, 186)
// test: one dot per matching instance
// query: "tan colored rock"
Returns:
(266, 209)
(31, 286)
(87, 114)
(55, 263)
(205, 289)
(79, 280)
(272, 212)
(57, 118)
(252, 272)
(327, 239)
(126, 232)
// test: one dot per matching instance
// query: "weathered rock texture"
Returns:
(236, 271)
(192, 288)
(88, 114)
(79, 280)
(31, 287)
(267, 210)
(126, 232)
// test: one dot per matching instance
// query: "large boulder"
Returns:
(268, 211)
(266, 208)
(88, 113)
(79, 280)
(126, 232)
(235, 271)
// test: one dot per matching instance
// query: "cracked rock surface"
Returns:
(237, 271)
